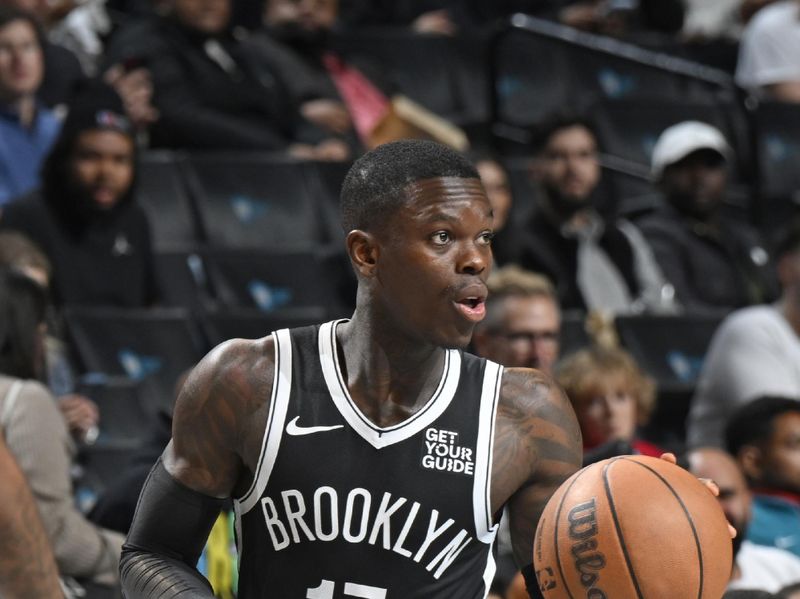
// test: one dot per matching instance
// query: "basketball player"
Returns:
(367, 457)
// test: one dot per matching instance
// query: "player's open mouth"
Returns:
(474, 308)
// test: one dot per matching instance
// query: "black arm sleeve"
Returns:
(531, 584)
(169, 530)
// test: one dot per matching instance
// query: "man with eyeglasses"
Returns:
(523, 321)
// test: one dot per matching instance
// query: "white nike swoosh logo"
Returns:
(294, 429)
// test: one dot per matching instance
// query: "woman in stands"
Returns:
(37, 437)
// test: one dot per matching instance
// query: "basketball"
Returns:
(632, 527)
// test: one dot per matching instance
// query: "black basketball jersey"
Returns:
(341, 508)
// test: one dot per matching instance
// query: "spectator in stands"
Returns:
(522, 323)
(27, 129)
(612, 398)
(63, 72)
(214, 92)
(763, 436)
(298, 36)
(85, 217)
(769, 54)
(27, 568)
(754, 566)
(37, 437)
(65, 78)
(498, 189)
(713, 261)
(19, 253)
(755, 351)
(594, 264)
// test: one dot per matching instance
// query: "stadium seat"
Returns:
(102, 464)
(153, 347)
(163, 195)
(629, 129)
(671, 349)
(573, 331)
(254, 200)
(181, 278)
(123, 415)
(271, 281)
(590, 68)
(325, 180)
(777, 133)
(249, 323)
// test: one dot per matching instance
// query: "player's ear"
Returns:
(362, 247)
(750, 461)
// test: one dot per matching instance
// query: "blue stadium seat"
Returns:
(181, 278)
(163, 194)
(271, 281)
(777, 138)
(249, 323)
(671, 349)
(254, 200)
(154, 347)
(540, 67)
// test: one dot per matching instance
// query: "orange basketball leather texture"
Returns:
(632, 527)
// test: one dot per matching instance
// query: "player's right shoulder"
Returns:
(216, 412)
(237, 373)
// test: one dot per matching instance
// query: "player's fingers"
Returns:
(669, 457)
(710, 485)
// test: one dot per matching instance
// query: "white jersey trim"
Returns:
(488, 573)
(485, 529)
(273, 431)
(377, 436)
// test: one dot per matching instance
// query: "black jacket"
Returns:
(203, 105)
(101, 261)
(720, 268)
(541, 247)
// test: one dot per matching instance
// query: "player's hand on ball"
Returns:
(710, 485)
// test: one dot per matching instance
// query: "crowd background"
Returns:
(169, 177)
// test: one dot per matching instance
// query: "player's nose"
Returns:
(473, 259)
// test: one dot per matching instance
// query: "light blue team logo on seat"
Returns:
(248, 209)
(778, 149)
(614, 84)
(686, 368)
(138, 366)
(269, 298)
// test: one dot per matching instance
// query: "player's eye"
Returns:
(486, 237)
(440, 237)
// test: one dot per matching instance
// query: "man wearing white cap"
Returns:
(712, 260)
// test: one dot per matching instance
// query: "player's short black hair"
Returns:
(752, 424)
(559, 121)
(376, 184)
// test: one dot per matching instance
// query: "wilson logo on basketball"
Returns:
(588, 560)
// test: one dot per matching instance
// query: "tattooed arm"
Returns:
(537, 447)
(27, 568)
(216, 434)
